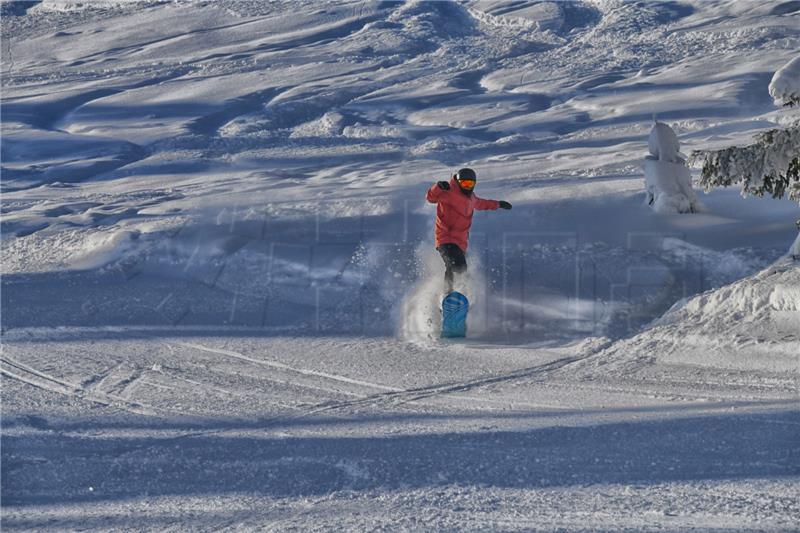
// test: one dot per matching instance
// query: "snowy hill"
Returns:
(749, 325)
(219, 291)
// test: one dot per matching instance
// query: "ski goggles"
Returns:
(467, 184)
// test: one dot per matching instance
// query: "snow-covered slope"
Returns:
(750, 325)
(219, 284)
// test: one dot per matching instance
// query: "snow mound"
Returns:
(103, 247)
(329, 125)
(527, 14)
(785, 85)
(750, 325)
(434, 20)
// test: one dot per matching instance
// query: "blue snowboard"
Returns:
(454, 315)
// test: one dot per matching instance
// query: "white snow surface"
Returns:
(219, 287)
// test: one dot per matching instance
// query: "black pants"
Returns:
(455, 262)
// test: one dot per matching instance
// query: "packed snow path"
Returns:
(347, 432)
(219, 288)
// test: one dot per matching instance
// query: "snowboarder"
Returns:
(455, 203)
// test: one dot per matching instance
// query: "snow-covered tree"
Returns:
(667, 180)
(772, 164)
(785, 85)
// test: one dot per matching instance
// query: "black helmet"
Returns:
(466, 178)
(466, 174)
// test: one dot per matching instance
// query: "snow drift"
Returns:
(750, 325)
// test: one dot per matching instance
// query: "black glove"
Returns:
(504, 205)
(443, 185)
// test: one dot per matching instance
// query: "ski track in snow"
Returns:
(219, 284)
(92, 391)
(286, 367)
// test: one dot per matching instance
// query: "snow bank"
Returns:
(103, 247)
(750, 325)
(329, 125)
(785, 85)
(667, 180)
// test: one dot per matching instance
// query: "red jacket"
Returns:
(454, 213)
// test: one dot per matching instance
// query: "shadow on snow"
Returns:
(58, 467)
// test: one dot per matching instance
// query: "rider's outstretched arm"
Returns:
(436, 191)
